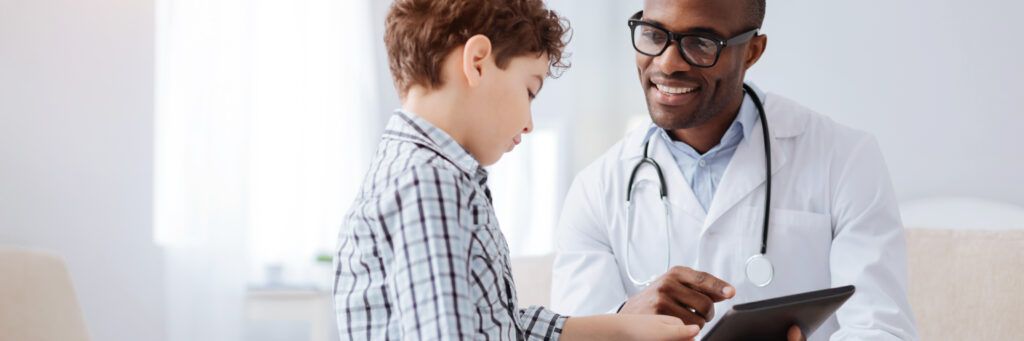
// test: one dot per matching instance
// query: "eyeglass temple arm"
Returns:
(742, 38)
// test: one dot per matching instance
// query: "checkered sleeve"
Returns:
(431, 256)
(541, 323)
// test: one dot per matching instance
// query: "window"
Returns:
(263, 109)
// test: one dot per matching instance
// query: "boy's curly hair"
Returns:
(419, 34)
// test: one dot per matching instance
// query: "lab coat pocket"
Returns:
(799, 244)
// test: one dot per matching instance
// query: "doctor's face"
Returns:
(680, 95)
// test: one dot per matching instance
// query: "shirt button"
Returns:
(702, 163)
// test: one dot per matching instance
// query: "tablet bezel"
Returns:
(782, 307)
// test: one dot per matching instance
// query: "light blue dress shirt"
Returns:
(704, 172)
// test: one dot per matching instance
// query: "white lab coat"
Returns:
(834, 222)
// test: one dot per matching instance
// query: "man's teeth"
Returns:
(674, 91)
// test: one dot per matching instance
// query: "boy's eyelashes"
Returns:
(531, 94)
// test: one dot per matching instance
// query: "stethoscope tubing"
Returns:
(663, 192)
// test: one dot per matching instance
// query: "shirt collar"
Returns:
(407, 126)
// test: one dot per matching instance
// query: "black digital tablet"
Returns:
(770, 319)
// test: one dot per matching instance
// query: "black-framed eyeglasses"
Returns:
(700, 50)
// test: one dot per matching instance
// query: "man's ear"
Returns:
(755, 49)
(474, 55)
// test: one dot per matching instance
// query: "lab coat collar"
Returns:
(783, 124)
(745, 172)
(680, 194)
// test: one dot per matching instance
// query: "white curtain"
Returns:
(576, 118)
(525, 184)
(267, 112)
(262, 116)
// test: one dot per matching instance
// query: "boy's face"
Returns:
(501, 106)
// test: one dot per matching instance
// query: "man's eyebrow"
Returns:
(699, 29)
(707, 30)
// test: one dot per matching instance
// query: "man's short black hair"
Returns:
(755, 12)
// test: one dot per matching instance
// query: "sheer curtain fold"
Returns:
(262, 107)
(577, 117)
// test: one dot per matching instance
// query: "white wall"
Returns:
(944, 103)
(76, 113)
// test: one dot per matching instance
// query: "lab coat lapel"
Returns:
(745, 172)
(680, 193)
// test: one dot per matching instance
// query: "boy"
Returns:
(421, 255)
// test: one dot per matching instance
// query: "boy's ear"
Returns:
(475, 53)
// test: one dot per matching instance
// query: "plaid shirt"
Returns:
(420, 254)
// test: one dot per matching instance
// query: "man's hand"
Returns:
(795, 334)
(682, 292)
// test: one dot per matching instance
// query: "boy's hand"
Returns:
(656, 327)
(615, 327)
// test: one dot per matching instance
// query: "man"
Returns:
(833, 215)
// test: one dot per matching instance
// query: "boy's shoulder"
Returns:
(403, 165)
(418, 163)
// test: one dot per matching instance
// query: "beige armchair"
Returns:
(37, 301)
(966, 285)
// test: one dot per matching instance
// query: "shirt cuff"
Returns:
(542, 324)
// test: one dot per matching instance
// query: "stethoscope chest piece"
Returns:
(759, 270)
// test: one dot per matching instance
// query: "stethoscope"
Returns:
(759, 269)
